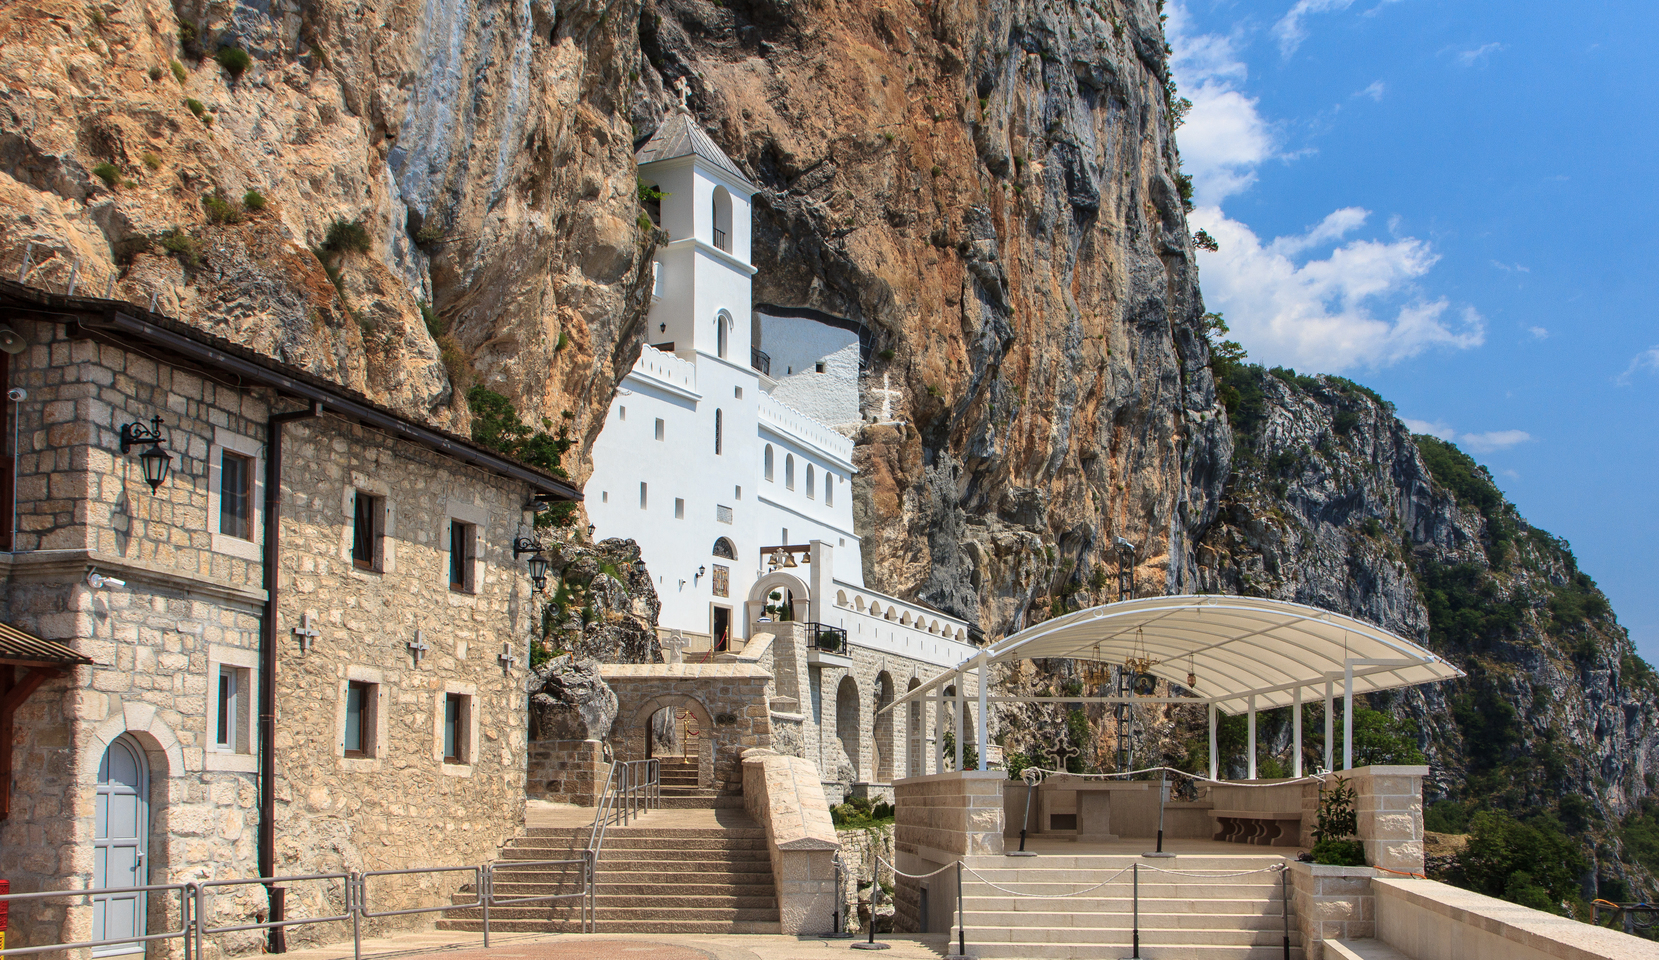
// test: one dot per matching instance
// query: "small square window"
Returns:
(737, 493)
(604, 496)
(819, 367)
(679, 508)
(462, 549)
(642, 495)
(230, 697)
(358, 736)
(622, 413)
(457, 724)
(661, 432)
(737, 393)
(236, 495)
(365, 531)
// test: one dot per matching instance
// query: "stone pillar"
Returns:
(1389, 803)
(1332, 903)
(820, 579)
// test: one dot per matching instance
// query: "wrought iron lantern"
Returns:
(537, 563)
(156, 462)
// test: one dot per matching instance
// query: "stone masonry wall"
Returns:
(566, 771)
(402, 805)
(727, 698)
(191, 602)
(1332, 903)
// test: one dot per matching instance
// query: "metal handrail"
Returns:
(363, 891)
(829, 639)
(623, 799)
(185, 894)
(760, 360)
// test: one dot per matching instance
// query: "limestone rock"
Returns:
(570, 701)
(601, 602)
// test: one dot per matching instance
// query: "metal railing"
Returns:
(829, 639)
(633, 787)
(722, 240)
(760, 360)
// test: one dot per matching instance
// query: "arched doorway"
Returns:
(677, 730)
(791, 602)
(881, 743)
(121, 844)
(917, 734)
(847, 722)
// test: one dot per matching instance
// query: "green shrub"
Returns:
(190, 42)
(496, 425)
(195, 107)
(1183, 187)
(1446, 816)
(253, 200)
(1384, 738)
(220, 208)
(435, 324)
(235, 60)
(1531, 863)
(347, 236)
(107, 172)
(182, 246)
(152, 161)
(156, 73)
(179, 73)
(1340, 853)
(428, 235)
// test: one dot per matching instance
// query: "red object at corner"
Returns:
(5, 888)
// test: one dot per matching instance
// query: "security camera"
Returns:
(98, 581)
(17, 394)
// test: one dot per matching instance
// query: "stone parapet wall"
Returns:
(950, 815)
(1429, 920)
(566, 771)
(1389, 804)
(1332, 903)
(729, 701)
(782, 794)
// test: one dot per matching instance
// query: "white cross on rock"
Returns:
(673, 647)
(306, 632)
(418, 647)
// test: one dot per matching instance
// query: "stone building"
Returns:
(358, 703)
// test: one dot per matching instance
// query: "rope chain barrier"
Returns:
(1272, 868)
(1045, 772)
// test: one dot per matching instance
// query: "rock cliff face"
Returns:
(991, 188)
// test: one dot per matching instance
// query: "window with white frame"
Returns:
(235, 495)
(810, 492)
(457, 722)
(230, 709)
(233, 488)
(358, 731)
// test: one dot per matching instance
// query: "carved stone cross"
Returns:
(506, 656)
(418, 647)
(306, 632)
(673, 647)
(1063, 752)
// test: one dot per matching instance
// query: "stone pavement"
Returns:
(642, 946)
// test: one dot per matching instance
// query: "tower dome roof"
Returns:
(680, 136)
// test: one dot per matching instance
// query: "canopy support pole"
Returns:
(1296, 735)
(1348, 718)
(1252, 775)
(984, 671)
(961, 719)
(1329, 718)
(1213, 764)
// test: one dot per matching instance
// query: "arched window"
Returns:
(719, 421)
(722, 333)
(724, 548)
(829, 489)
(723, 219)
(768, 461)
(810, 492)
(789, 470)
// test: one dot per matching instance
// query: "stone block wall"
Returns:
(566, 771)
(403, 805)
(729, 701)
(1332, 903)
(938, 820)
(1389, 804)
(782, 795)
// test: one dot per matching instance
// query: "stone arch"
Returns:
(933, 628)
(875, 608)
(858, 604)
(165, 756)
(848, 723)
(786, 583)
(723, 219)
(635, 736)
(768, 458)
(904, 621)
(892, 612)
(881, 739)
(840, 598)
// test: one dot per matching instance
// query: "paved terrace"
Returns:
(461, 946)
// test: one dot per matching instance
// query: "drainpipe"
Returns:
(268, 663)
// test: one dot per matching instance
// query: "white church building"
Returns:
(724, 456)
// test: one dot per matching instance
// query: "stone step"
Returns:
(695, 850)
(1084, 906)
(1100, 951)
(624, 893)
(1111, 863)
(1061, 918)
(1164, 936)
(710, 872)
(647, 914)
(612, 926)
(1118, 891)
(642, 827)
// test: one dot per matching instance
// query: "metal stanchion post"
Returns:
(875, 891)
(1284, 907)
(1163, 798)
(355, 906)
(486, 893)
(1135, 954)
(961, 930)
(201, 914)
(1030, 788)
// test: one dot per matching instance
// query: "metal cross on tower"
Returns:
(305, 632)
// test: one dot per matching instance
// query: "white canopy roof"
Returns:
(1235, 646)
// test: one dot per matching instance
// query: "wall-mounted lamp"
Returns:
(98, 581)
(155, 461)
(590, 532)
(700, 572)
(537, 562)
(11, 342)
(662, 328)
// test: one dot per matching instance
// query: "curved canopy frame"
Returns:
(1278, 653)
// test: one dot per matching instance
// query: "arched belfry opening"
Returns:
(723, 219)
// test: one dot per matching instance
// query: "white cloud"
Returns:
(1357, 306)
(1375, 91)
(1480, 54)
(1331, 313)
(1432, 428)
(1538, 333)
(1290, 31)
(1489, 442)
(1647, 360)
(1493, 440)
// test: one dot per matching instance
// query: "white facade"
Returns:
(703, 461)
(816, 366)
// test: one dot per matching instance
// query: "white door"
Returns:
(122, 830)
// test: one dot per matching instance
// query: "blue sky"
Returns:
(1452, 203)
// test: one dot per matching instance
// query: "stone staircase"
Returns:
(1181, 918)
(702, 869)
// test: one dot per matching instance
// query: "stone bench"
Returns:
(1269, 828)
